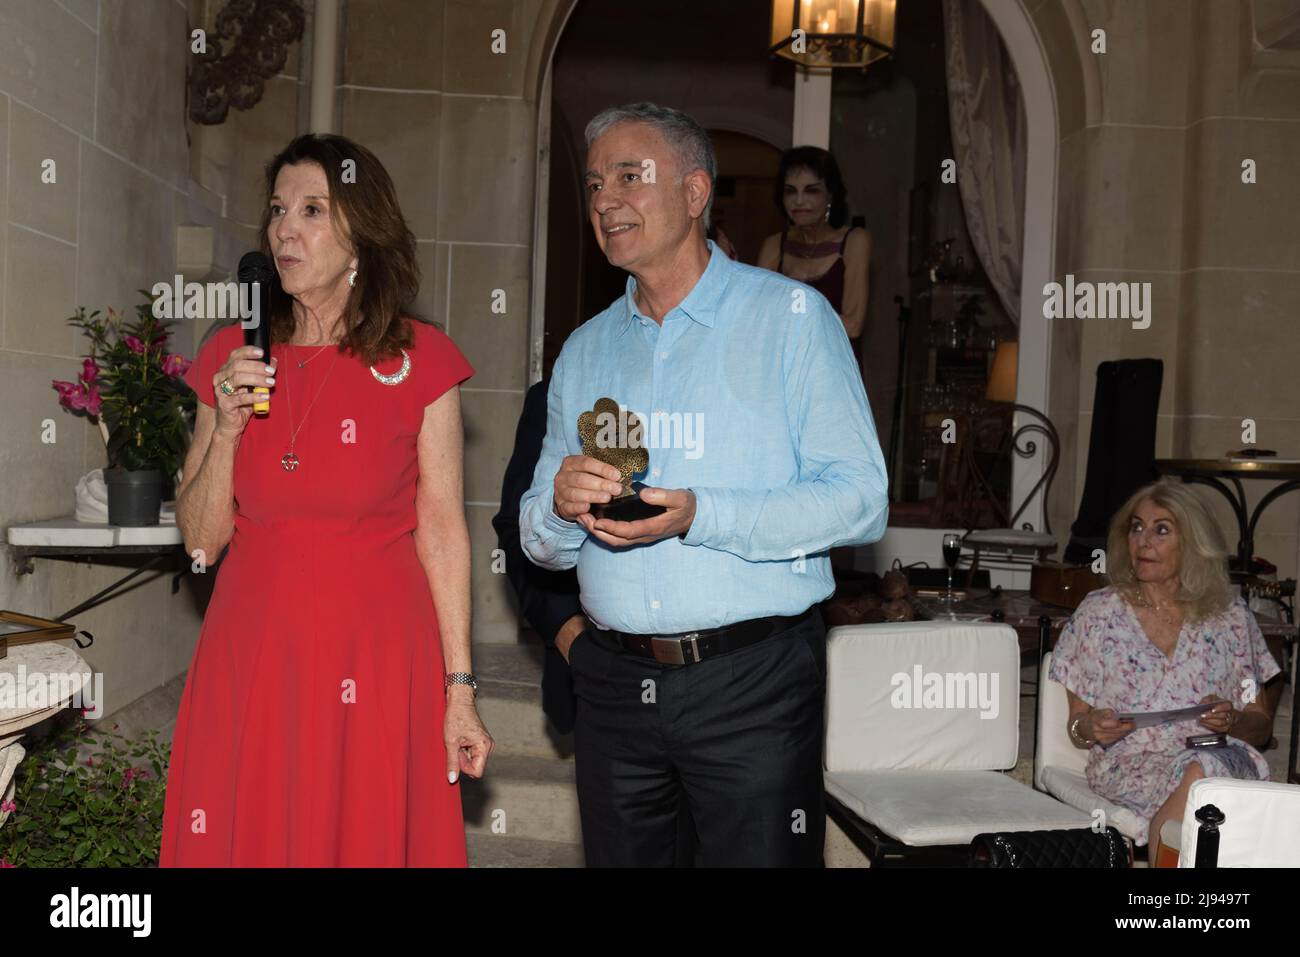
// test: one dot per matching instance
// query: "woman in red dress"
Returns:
(329, 707)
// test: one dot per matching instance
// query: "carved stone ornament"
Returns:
(249, 45)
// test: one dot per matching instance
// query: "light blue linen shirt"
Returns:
(751, 397)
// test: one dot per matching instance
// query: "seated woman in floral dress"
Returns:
(1169, 632)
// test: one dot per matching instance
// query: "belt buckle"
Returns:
(671, 651)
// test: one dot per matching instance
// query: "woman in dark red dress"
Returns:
(329, 707)
(820, 248)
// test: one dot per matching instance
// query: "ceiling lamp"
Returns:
(833, 33)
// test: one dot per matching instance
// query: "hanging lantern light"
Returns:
(833, 33)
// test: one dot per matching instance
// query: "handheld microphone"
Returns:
(256, 268)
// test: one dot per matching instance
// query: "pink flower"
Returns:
(77, 397)
(134, 774)
(175, 364)
(134, 344)
(82, 394)
(4, 863)
(82, 398)
(8, 806)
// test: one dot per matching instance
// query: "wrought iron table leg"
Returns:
(1245, 540)
(1264, 503)
(95, 599)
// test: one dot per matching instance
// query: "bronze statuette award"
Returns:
(618, 442)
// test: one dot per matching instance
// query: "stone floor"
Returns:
(525, 812)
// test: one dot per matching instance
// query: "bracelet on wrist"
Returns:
(461, 678)
(1076, 736)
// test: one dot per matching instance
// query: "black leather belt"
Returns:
(692, 647)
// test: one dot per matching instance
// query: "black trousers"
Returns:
(735, 740)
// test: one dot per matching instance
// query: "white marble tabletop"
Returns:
(68, 532)
(51, 664)
(40, 661)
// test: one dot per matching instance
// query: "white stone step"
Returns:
(510, 701)
(513, 716)
(532, 798)
(495, 850)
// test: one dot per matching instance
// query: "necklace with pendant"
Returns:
(290, 461)
(318, 352)
(396, 378)
(1155, 609)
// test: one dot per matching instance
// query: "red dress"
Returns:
(310, 728)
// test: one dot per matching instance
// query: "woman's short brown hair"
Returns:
(1204, 589)
(388, 274)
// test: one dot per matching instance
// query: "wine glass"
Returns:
(951, 555)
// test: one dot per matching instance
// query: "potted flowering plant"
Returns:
(130, 384)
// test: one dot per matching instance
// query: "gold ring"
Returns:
(226, 387)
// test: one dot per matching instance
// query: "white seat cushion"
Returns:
(922, 695)
(1072, 787)
(1261, 826)
(1055, 750)
(926, 808)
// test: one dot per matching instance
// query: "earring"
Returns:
(828, 212)
(352, 278)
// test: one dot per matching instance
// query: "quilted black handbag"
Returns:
(1079, 847)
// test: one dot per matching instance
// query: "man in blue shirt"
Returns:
(705, 668)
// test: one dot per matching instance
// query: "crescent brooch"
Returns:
(397, 377)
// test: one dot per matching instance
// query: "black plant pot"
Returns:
(134, 497)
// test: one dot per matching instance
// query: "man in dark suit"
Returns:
(548, 600)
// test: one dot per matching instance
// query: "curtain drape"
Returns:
(988, 134)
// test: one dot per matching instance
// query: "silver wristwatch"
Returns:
(461, 678)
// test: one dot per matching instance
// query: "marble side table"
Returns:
(58, 668)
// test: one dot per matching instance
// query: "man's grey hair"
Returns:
(687, 138)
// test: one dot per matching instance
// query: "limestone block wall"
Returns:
(95, 174)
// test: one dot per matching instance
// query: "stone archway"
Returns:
(1064, 83)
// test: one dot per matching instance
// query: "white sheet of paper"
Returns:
(1150, 719)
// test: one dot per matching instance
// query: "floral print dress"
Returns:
(1106, 659)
